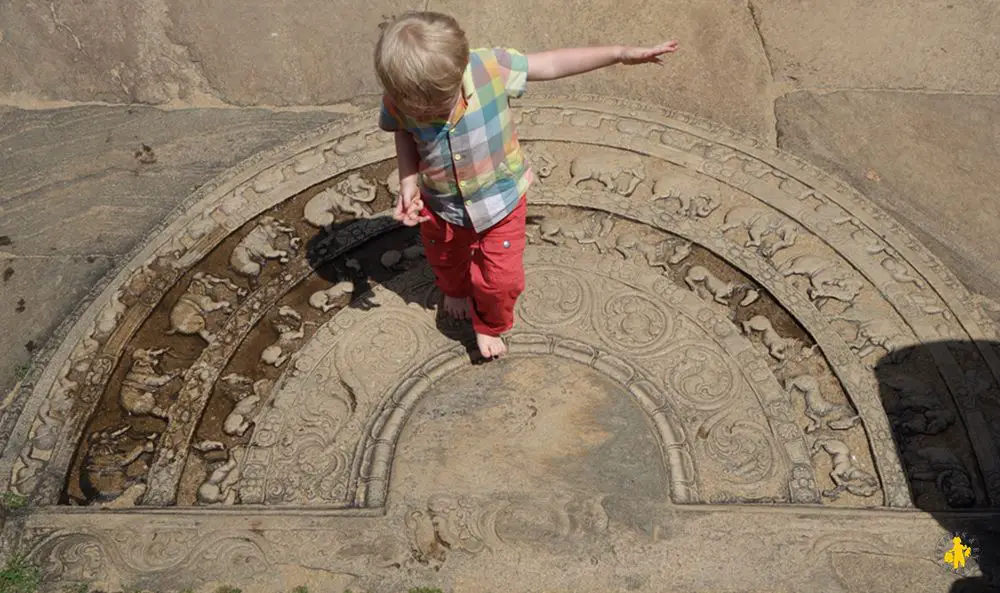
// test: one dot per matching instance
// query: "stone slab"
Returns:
(108, 50)
(929, 160)
(284, 53)
(36, 294)
(948, 45)
(720, 71)
(71, 188)
(679, 550)
(722, 353)
(79, 167)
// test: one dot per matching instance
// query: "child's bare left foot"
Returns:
(490, 346)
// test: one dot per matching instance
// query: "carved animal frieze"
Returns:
(541, 161)
(291, 330)
(778, 346)
(391, 182)
(260, 245)
(114, 464)
(821, 413)
(761, 223)
(619, 174)
(827, 279)
(720, 291)
(190, 315)
(900, 272)
(350, 195)
(942, 468)
(846, 474)
(247, 396)
(680, 253)
(592, 230)
(144, 383)
(917, 409)
(690, 204)
(219, 485)
(873, 332)
(333, 297)
(750, 297)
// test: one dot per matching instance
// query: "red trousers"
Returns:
(486, 267)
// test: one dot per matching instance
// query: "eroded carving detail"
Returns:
(114, 466)
(541, 161)
(918, 409)
(291, 330)
(619, 174)
(741, 448)
(350, 195)
(333, 297)
(448, 524)
(873, 332)
(698, 205)
(219, 484)
(190, 316)
(247, 395)
(760, 223)
(777, 346)
(942, 468)
(253, 251)
(821, 413)
(846, 474)
(720, 291)
(144, 382)
(827, 279)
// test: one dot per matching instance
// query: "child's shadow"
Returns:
(364, 268)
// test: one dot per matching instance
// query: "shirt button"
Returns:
(458, 157)
(506, 244)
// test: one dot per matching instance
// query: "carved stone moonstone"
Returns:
(706, 321)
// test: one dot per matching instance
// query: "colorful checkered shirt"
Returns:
(472, 170)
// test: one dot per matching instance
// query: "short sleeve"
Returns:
(514, 66)
(388, 119)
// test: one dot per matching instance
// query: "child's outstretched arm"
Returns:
(560, 63)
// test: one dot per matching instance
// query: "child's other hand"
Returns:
(409, 205)
(647, 55)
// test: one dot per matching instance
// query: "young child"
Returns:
(462, 174)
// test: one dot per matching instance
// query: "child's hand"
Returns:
(647, 55)
(409, 205)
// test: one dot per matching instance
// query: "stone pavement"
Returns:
(771, 344)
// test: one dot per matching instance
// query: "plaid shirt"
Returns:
(472, 170)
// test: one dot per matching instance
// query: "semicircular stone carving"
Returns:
(268, 345)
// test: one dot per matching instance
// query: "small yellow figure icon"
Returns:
(957, 554)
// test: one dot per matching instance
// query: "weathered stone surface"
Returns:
(290, 52)
(929, 160)
(720, 71)
(36, 294)
(77, 168)
(949, 46)
(105, 50)
(71, 185)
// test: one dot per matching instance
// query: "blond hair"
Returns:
(420, 59)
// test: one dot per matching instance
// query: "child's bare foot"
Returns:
(490, 346)
(459, 308)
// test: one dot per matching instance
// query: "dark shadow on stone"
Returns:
(925, 423)
(363, 267)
